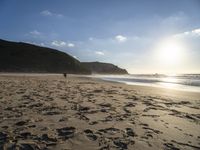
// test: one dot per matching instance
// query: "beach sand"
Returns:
(51, 112)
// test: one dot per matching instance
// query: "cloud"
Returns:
(75, 57)
(42, 44)
(70, 45)
(58, 43)
(35, 33)
(176, 19)
(191, 33)
(120, 38)
(62, 44)
(196, 31)
(46, 13)
(49, 13)
(99, 53)
(91, 38)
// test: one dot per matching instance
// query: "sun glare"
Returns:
(170, 52)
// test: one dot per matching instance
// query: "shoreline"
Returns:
(98, 79)
(153, 82)
(163, 90)
(49, 111)
(149, 89)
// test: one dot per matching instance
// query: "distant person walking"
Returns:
(65, 75)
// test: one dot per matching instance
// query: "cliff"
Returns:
(104, 68)
(23, 57)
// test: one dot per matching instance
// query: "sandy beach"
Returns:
(39, 112)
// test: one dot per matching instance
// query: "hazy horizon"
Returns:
(144, 37)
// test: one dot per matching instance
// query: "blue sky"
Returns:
(124, 32)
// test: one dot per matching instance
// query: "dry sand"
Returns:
(50, 112)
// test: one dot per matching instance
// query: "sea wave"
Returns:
(181, 81)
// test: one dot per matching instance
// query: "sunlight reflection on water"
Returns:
(183, 82)
(169, 82)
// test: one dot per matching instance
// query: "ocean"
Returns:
(183, 82)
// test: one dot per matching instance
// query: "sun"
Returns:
(170, 52)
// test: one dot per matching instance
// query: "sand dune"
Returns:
(50, 112)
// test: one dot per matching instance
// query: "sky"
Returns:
(142, 36)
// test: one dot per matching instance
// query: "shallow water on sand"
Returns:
(184, 82)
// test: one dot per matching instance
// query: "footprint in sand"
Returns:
(89, 133)
(130, 132)
(66, 132)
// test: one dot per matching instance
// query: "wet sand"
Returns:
(51, 112)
